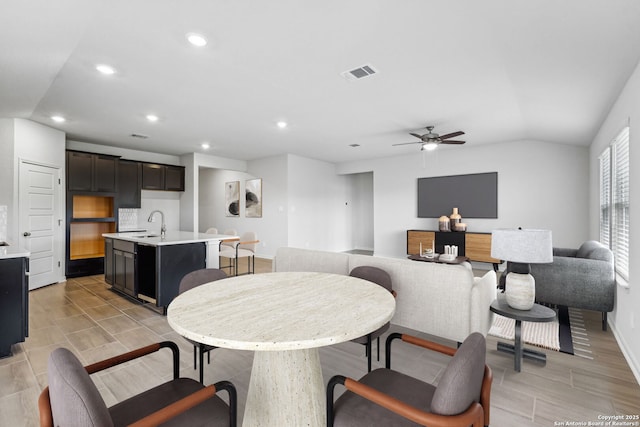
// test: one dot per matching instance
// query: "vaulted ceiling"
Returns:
(500, 70)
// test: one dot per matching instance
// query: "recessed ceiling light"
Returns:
(281, 124)
(58, 119)
(205, 145)
(196, 39)
(152, 117)
(105, 69)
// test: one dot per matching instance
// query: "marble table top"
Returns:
(280, 311)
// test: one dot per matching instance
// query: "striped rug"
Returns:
(555, 335)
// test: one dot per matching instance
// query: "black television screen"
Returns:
(475, 195)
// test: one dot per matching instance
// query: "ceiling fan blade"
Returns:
(452, 135)
(416, 135)
(452, 142)
(407, 143)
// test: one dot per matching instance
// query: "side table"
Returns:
(538, 313)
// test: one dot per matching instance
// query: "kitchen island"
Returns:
(14, 297)
(149, 267)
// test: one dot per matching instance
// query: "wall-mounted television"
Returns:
(475, 195)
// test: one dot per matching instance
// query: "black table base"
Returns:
(518, 351)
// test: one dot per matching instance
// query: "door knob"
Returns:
(26, 234)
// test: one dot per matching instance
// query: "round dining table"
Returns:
(284, 317)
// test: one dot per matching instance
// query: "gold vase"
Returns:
(455, 218)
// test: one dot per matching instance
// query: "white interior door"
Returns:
(41, 223)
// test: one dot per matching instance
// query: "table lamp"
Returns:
(521, 248)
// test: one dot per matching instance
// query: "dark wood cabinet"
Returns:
(124, 267)
(14, 303)
(129, 184)
(108, 261)
(162, 177)
(92, 172)
(475, 246)
(174, 178)
(153, 176)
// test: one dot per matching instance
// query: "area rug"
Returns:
(555, 335)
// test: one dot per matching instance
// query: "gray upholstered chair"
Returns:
(583, 278)
(386, 397)
(244, 248)
(382, 278)
(190, 281)
(72, 399)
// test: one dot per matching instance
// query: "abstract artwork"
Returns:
(253, 195)
(232, 198)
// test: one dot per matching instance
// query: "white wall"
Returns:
(125, 153)
(43, 145)
(318, 205)
(625, 319)
(360, 209)
(540, 185)
(272, 227)
(6, 166)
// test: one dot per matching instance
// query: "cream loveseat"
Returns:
(439, 299)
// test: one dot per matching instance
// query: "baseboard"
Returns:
(631, 360)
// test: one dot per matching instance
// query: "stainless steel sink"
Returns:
(144, 236)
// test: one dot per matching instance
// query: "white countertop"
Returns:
(172, 237)
(281, 311)
(13, 252)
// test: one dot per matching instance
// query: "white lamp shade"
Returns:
(522, 246)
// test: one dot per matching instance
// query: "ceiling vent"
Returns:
(360, 72)
(139, 135)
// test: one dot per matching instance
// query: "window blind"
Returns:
(605, 196)
(620, 202)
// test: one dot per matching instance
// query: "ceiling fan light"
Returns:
(428, 146)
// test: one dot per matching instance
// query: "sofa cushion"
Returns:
(295, 259)
(593, 249)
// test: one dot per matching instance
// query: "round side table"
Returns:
(538, 313)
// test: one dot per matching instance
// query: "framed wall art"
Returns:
(232, 198)
(253, 198)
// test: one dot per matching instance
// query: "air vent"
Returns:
(139, 135)
(360, 72)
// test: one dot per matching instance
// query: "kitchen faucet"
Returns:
(163, 228)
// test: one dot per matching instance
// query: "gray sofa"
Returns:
(439, 299)
(581, 278)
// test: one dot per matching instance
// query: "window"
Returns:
(614, 200)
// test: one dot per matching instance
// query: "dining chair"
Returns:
(386, 397)
(244, 248)
(72, 398)
(382, 278)
(190, 281)
(211, 230)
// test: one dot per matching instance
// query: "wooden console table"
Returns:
(475, 246)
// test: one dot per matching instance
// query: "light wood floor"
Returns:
(94, 322)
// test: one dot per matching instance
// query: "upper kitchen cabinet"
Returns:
(129, 184)
(92, 172)
(162, 177)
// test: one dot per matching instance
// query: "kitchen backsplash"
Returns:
(127, 219)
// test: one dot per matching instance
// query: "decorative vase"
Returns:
(444, 224)
(520, 291)
(455, 218)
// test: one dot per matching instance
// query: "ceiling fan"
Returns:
(431, 140)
